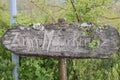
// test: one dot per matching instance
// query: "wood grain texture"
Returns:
(65, 40)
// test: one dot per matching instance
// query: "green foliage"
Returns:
(46, 68)
(38, 68)
(5, 64)
(85, 10)
(43, 11)
(20, 19)
(4, 18)
(94, 43)
(91, 69)
(95, 69)
(84, 33)
(111, 18)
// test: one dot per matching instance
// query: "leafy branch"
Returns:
(43, 10)
(74, 8)
(93, 6)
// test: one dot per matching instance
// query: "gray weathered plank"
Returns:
(68, 40)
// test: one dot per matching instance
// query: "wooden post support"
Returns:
(62, 61)
(62, 69)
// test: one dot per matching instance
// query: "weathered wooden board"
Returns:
(69, 40)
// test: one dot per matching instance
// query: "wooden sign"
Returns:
(65, 40)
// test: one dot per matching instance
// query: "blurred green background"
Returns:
(48, 11)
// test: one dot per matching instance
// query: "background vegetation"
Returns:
(43, 11)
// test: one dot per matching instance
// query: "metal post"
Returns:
(62, 69)
(15, 58)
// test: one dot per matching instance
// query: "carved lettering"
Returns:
(48, 37)
(63, 40)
